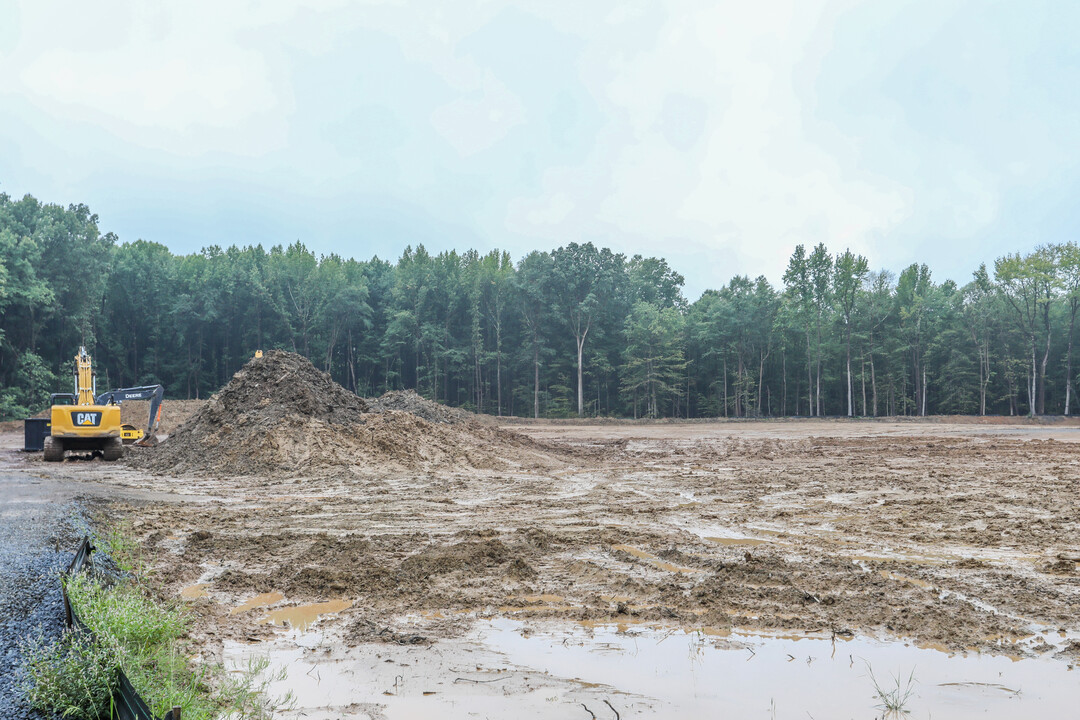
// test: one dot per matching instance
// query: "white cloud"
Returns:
(715, 132)
(187, 78)
(749, 182)
(168, 90)
(477, 120)
(553, 210)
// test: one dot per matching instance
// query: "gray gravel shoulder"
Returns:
(42, 520)
(39, 527)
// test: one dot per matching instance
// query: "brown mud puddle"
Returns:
(301, 617)
(515, 669)
(194, 592)
(259, 601)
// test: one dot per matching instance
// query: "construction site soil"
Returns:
(281, 417)
(962, 540)
(284, 489)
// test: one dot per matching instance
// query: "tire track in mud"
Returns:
(897, 533)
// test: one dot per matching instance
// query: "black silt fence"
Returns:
(127, 704)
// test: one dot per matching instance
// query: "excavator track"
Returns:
(54, 450)
(113, 449)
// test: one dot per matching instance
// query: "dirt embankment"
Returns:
(409, 401)
(280, 416)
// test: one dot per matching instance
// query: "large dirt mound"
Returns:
(281, 383)
(408, 401)
(279, 416)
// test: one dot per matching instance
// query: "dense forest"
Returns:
(580, 330)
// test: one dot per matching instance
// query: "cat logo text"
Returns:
(86, 419)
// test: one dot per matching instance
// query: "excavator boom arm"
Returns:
(153, 393)
(85, 381)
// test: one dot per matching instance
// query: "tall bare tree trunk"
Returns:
(817, 391)
(536, 380)
(761, 378)
(1068, 357)
(1031, 371)
(725, 389)
(739, 388)
(580, 377)
(873, 384)
(915, 378)
(784, 359)
(498, 365)
(923, 412)
(1042, 376)
(1031, 383)
(982, 399)
(850, 399)
(1046, 354)
(986, 372)
(862, 377)
(352, 365)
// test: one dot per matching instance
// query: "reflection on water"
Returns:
(506, 668)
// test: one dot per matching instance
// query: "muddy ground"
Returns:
(955, 536)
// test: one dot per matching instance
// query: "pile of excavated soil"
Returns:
(280, 416)
(408, 401)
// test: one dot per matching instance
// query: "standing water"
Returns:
(505, 668)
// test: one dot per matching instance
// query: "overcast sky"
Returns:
(716, 134)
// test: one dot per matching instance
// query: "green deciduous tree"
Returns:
(654, 360)
(849, 272)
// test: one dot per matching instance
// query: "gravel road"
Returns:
(43, 511)
(38, 532)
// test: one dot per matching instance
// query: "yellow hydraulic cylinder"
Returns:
(84, 378)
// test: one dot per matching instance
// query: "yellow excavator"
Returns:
(84, 421)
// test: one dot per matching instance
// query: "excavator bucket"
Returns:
(150, 439)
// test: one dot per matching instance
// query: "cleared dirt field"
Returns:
(958, 536)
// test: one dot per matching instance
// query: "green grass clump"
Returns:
(72, 677)
(131, 631)
(893, 699)
(121, 546)
(123, 616)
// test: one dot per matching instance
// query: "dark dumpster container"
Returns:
(35, 430)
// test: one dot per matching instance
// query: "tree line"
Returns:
(579, 330)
